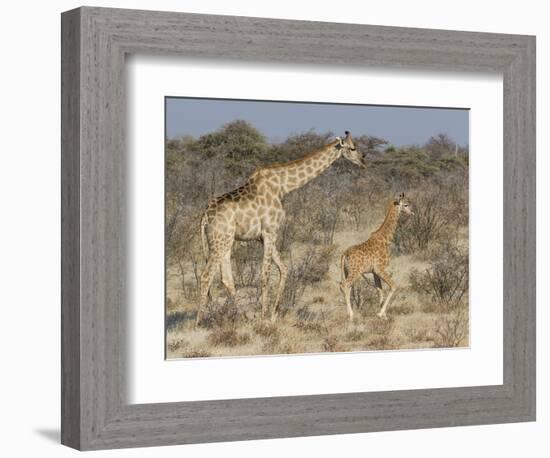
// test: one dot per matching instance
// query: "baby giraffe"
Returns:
(373, 256)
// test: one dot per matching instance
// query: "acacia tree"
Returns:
(440, 145)
(296, 146)
(199, 169)
(237, 144)
(370, 145)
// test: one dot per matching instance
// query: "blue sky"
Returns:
(278, 120)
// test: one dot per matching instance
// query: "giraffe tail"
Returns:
(204, 222)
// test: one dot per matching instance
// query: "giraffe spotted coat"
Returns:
(255, 211)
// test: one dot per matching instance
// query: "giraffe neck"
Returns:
(295, 174)
(388, 227)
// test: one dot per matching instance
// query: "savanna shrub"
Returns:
(445, 282)
(225, 315)
(310, 268)
(451, 329)
(415, 232)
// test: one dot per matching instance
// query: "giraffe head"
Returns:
(403, 205)
(349, 150)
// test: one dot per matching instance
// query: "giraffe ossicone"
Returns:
(254, 211)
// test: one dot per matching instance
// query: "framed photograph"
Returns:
(324, 223)
(277, 228)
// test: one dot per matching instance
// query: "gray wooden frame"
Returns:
(95, 413)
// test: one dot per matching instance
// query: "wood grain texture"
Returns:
(70, 229)
(96, 413)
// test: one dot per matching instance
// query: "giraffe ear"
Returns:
(340, 143)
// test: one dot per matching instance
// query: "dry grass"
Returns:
(227, 338)
(451, 330)
(429, 267)
(195, 354)
(318, 322)
(266, 330)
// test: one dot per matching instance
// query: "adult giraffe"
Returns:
(255, 211)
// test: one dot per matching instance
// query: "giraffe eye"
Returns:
(353, 149)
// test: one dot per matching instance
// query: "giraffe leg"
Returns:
(345, 287)
(389, 281)
(227, 280)
(283, 271)
(378, 284)
(266, 273)
(207, 276)
(227, 275)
